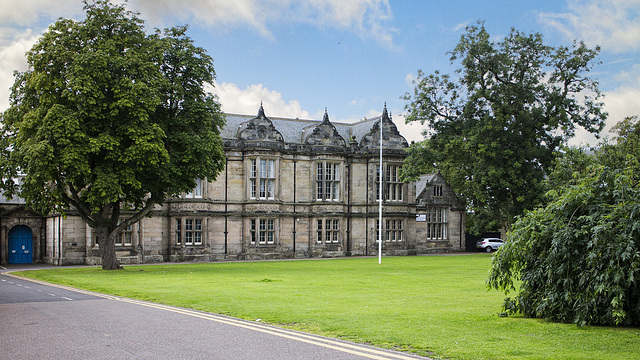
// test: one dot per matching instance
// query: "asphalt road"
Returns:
(44, 321)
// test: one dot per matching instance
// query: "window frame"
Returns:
(328, 231)
(328, 180)
(262, 178)
(125, 238)
(189, 231)
(262, 231)
(392, 187)
(198, 191)
(392, 230)
(437, 223)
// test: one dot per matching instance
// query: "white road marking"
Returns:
(350, 348)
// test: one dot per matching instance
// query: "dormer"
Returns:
(325, 134)
(259, 128)
(391, 138)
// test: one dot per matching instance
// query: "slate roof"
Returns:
(295, 131)
(422, 182)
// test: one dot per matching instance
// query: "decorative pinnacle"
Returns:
(326, 116)
(261, 110)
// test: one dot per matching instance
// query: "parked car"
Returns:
(489, 244)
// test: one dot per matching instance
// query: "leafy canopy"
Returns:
(494, 127)
(110, 118)
(578, 257)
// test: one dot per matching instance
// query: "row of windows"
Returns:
(263, 231)
(262, 181)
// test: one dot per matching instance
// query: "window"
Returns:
(436, 223)
(262, 231)
(328, 231)
(189, 231)
(328, 181)
(392, 186)
(437, 190)
(262, 178)
(393, 230)
(178, 231)
(196, 193)
(124, 239)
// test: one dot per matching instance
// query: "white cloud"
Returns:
(612, 24)
(412, 131)
(12, 57)
(367, 18)
(247, 101)
(26, 12)
(620, 103)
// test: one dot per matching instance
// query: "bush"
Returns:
(578, 257)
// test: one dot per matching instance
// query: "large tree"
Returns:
(577, 259)
(109, 121)
(496, 124)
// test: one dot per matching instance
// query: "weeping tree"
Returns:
(496, 123)
(577, 259)
(109, 118)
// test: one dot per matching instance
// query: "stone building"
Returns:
(290, 188)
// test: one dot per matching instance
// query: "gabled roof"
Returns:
(259, 128)
(325, 134)
(297, 131)
(391, 138)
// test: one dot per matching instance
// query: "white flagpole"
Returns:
(380, 190)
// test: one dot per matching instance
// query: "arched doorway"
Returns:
(20, 245)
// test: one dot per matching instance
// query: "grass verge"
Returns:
(435, 306)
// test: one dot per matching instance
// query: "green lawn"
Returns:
(436, 306)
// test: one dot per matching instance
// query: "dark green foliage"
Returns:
(109, 119)
(578, 257)
(496, 126)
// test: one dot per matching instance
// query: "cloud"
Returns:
(12, 58)
(460, 26)
(612, 24)
(368, 18)
(619, 104)
(26, 12)
(412, 131)
(247, 101)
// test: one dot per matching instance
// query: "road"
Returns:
(45, 321)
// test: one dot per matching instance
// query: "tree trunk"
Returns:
(107, 246)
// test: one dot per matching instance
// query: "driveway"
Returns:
(40, 320)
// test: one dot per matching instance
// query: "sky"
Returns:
(351, 57)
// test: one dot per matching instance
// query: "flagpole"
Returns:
(380, 190)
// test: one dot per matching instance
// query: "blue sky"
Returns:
(351, 56)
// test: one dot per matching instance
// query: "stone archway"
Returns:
(20, 245)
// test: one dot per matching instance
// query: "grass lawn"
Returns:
(436, 306)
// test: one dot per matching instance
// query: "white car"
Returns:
(489, 244)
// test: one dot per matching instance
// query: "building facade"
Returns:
(290, 188)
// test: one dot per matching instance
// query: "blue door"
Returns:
(20, 245)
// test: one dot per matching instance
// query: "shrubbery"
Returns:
(577, 259)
